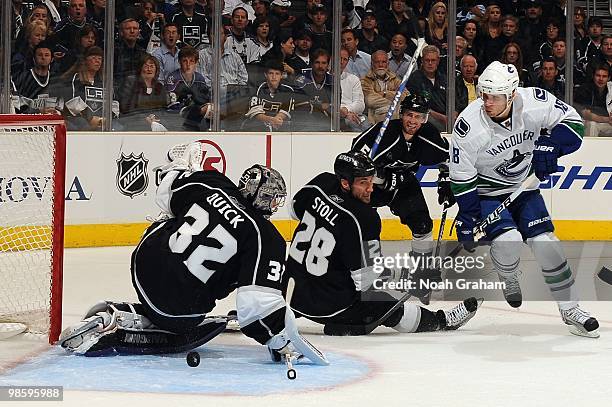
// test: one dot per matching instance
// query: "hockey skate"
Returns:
(512, 289)
(580, 322)
(460, 314)
(81, 337)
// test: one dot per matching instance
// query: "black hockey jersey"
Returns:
(337, 233)
(194, 30)
(427, 146)
(216, 243)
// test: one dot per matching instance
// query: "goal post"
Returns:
(32, 177)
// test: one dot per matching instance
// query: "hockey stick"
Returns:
(398, 94)
(291, 373)
(494, 216)
(333, 329)
(441, 231)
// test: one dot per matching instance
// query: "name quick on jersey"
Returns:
(511, 141)
(325, 211)
(225, 209)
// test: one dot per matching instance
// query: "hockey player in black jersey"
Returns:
(332, 254)
(215, 238)
(408, 143)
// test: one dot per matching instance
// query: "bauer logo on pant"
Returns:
(132, 178)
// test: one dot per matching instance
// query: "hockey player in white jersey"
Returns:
(497, 141)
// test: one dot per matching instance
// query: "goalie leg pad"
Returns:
(121, 328)
(410, 319)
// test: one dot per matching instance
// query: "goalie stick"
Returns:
(398, 94)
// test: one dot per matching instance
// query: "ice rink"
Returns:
(503, 357)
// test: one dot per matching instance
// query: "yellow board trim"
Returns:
(129, 234)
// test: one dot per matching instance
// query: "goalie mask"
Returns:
(264, 188)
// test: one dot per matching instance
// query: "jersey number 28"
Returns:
(322, 244)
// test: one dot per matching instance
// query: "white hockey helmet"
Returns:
(499, 79)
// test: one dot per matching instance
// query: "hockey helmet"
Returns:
(499, 79)
(415, 102)
(353, 164)
(264, 188)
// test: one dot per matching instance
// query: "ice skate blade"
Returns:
(581, 332)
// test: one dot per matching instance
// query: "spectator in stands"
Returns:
(558, 55)
(512, 54)
(548, 79)
(271, 106)
(437, 26)
(431, 80)
(349, 17)
(282, 51)
(34, 85)
(313, 94)
(194, 26)
(379, 87)
(23, 59)
(145, 98)
(96, 12)
(532, 29)
(470, 33)
(57, 10)
(303, 46)
(19, 14)
(261, 8)
(167, 53)
(588, 49)
(67, 30)
(40, 12)
(591, 102)
(306, 19)
(603, 58)
(233, 82)
(460, 51)
(83, 94)
(188, 93)
(359, 62)
(236, 35)
(231, 5)
(352, 103)
(280, 17)
(466, 82)
(420, 8)
(469, 10)
(398, 56)
(510, 29)
(62, 62)
(553, 31)
(491, 38)
(151, 24)
(128, 54)
(369, 38)
(261, 42)
(397, 20)
(321, 36)
(580, 28)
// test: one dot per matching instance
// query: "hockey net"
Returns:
(32, 172)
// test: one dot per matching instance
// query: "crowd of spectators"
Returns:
(275, 69)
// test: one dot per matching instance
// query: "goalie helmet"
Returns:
(353, 164)
(415, 102)
(264, 188)
(499, 79)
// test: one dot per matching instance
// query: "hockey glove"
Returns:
(445, 195)
(395, 180)
(545, 156)
(465, 232)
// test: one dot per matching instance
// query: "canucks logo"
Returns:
(516, 166)
(132, 178)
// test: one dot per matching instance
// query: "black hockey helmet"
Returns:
(353, 164)
(416, 102)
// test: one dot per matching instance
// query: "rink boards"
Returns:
(111, 181)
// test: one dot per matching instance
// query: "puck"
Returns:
(193, 359)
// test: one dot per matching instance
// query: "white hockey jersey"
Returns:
(494, 160)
